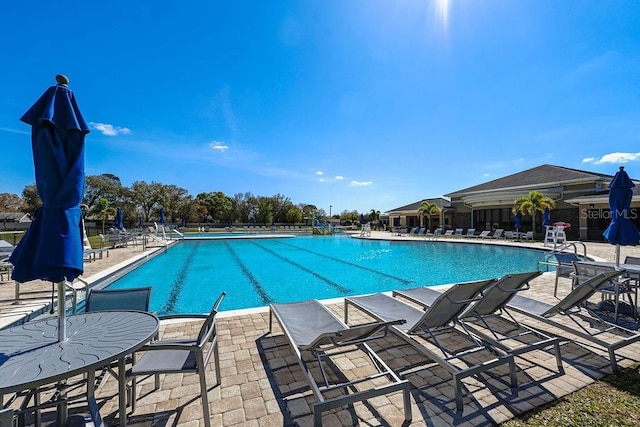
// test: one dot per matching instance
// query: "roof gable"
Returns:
(439, 201)
(544, 174)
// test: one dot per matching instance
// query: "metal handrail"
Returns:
(544, 260)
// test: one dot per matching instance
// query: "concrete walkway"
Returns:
(262, 384)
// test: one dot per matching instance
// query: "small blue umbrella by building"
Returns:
(546, 217)
(140, 221)
(518, 224)
(52, 248)
(162, 219)
(118, 223)
(621, 231)
(183, 222)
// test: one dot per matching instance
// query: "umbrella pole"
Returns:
(617, 255)
(62, 323)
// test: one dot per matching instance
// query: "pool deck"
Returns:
(262, 384)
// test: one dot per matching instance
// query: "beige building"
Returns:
(581, 199)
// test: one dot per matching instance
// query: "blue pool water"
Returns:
(257, 272)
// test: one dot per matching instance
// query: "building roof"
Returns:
(438, 201)
(14, 217)
(602, 197)
(540, 176)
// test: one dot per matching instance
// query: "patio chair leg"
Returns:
(205, 399)
(216, 361)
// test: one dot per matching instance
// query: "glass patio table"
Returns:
(31, 355)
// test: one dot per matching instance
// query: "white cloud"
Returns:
(110, 130)
(361, 183)
(322, 180)
(219, 146)
(339, 177)
(486, 174)
(319, 173)
(613, 158)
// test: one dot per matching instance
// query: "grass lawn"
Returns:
(612, 401)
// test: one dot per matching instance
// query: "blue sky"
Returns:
(361, 105)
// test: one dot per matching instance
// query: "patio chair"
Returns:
(565, 267)
(612, 289)
(440, 318)
(486, 234)
(497, 234)
(6, 249)
(632, 260)
(572, 314)
(118, 299)
(312, 329)
(448, 233)
(433, 236)
(471, 232)
(504, 331)
(489, 319)
(182, 356)
(458, 232)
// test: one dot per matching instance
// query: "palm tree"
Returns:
(103, 211)
(428, 209)
(531, 204)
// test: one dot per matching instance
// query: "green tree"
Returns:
(532, 204)
(294, 215)
(147, 197)
(427, 210)
(219, 207)
(105, 186)
(103, 211)
(31, 199)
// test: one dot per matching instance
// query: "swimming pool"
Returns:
(257, 272)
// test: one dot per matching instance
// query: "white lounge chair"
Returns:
(486, 234)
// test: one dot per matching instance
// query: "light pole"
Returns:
(330, 206)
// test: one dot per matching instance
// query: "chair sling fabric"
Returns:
(182, 356)
(310, 327)
(440, 316)
(490, 319)
(584, 321)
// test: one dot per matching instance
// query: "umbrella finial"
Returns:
(621, 168)
(62, 80)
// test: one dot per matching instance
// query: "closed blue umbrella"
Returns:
(183, 222)
(518, 221)
(621, 231)
(546, 218)
(140, 221)
(362, 221)
(161, 215)
(52, 247)
(118, 223)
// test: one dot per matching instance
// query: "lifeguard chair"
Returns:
(555, 234)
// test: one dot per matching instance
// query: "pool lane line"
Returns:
(257, 287)
(328, 281)
(176, 289)
(370, 270)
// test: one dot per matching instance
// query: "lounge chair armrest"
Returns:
(362, 333)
